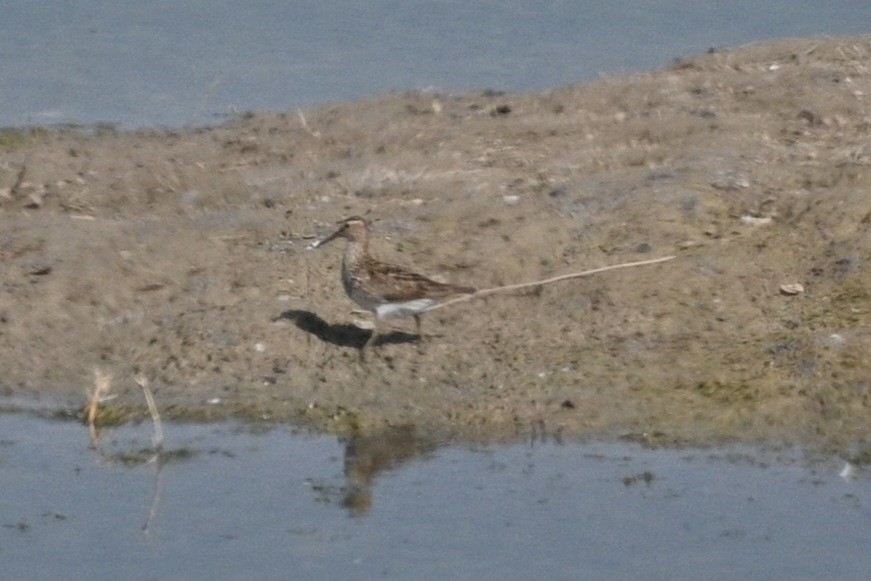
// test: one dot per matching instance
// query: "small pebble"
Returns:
(754, 221)
(791, 289)
(848, 472)
(834, 340)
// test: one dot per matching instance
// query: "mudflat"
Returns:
(180, 257)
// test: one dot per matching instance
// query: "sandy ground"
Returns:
(180, 257)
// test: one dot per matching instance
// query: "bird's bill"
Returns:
(320, 242)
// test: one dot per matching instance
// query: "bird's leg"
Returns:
(417, 327)
(419, 334)
(370, 341)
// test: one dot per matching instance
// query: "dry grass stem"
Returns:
(101, 386)
(19, 180)
(304, 124)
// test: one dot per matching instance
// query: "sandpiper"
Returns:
(387, 290)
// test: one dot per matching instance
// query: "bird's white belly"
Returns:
(403, 309)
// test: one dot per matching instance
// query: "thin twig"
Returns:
(157, 440)
(510, 287)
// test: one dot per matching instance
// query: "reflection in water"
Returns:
(238, 503)
(367, 456)
(156, 454)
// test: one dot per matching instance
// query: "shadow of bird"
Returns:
(341, 334)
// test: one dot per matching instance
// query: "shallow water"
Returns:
(174, 63)
(234, 501)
